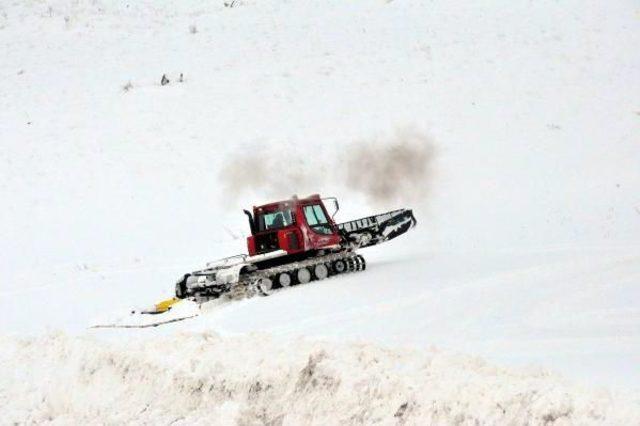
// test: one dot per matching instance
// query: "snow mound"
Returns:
(208, 379)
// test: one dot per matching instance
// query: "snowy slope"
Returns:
(524, 116)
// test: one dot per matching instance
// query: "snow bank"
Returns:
(204, 378)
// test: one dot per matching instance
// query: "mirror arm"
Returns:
(335, 200)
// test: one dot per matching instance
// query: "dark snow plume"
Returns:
(395, 170)
(273, 172)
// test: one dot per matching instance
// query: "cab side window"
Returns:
(320, 214)
(316, 219)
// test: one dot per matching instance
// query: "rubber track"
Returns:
(245, 287)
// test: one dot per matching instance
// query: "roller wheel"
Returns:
(321, 271)
(339, 266)
(303, 275)
(284, 279)
(265, 286)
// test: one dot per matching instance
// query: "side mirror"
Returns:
(334, 202)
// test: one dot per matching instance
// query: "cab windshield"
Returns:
(274, 220)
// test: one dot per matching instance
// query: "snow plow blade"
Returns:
(165, 312)
(161, 307)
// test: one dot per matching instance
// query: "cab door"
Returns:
(320, 231)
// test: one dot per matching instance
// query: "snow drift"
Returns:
(205, 378)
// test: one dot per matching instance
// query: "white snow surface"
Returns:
(197, 378)
(514, 301)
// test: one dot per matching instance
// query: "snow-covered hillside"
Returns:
(524, 118)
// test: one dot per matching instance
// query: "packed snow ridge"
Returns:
(204, 378)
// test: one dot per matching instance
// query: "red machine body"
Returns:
(294, 242)
(298, 225)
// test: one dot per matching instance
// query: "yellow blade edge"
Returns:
(165, 305)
